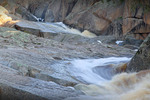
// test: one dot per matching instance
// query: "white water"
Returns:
(124, 86)
(83, 69)
(118, 42)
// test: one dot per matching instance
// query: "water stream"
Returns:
(99, 78)
(121, 86)
(96, 71)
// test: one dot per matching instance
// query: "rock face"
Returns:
(16, 87)
(98, 16)
(141, 59)
(135, 19)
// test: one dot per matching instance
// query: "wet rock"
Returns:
(141, 59)
(106, 72)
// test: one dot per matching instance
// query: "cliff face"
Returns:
(135, 18)
(118, 17)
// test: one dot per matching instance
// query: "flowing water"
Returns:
(96, 71)
(123, 86)
(101, 82)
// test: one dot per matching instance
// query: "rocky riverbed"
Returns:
(33, 67)
(43, 59)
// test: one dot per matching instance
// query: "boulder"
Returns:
(141, 59)
(135, 19)
(16, 87)
(96, 18)
(115, 28)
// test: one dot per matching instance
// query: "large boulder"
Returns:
(141, 59)
(95, 18)
(16, 87)
(135, 19)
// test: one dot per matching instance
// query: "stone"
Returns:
(96, 18)
(135, 19)
(115, 28)
(15, 87)
(26, 14)
(140, 61)
(129, 24)
(146, 18)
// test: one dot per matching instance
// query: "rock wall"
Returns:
(119, 17)
(135, 18)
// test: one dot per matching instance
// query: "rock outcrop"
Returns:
(95, 18)
(16, 87)
(40, 69)
(141, 59)
(135, 18)
(102, 17)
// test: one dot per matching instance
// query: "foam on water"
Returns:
(118, 42)
(123, 86)
(83, 69)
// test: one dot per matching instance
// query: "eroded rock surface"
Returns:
(98, 16)
(16, 87)
(35, 67)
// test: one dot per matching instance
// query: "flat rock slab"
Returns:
(16, 87)
(35, 64)
(44, 29)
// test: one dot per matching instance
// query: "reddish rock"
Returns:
(96, 18)
(147, 18)
(93, 15)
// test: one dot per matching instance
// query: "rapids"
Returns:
(98, 77)
(121, 86)
(96, 71)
